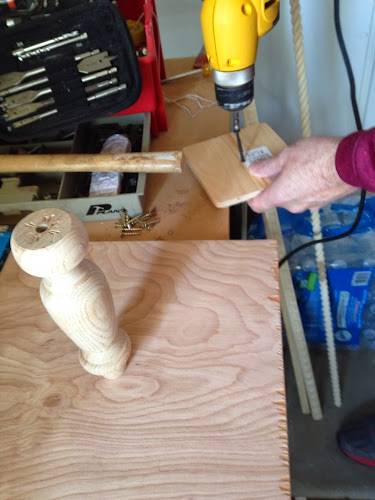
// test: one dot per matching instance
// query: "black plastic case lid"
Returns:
(107, 31)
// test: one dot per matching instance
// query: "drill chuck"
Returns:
(235, 89)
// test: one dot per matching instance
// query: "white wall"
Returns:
(275, 81)
(330, 107)
(180, 29)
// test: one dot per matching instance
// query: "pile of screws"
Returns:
(135, 225)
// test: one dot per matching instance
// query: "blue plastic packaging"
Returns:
(350, 291)
(353, 307)
(4, 246)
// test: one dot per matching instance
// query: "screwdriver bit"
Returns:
(100, 85)
(105, 93)
(94, 76)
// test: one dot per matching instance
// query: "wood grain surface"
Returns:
(200, 411)
(217, 166)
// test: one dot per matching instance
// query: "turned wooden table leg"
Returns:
(52, 244)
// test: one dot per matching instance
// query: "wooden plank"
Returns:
(216, 164)
(161, 162)
(299, 353)
(200, 411)
(304, 376)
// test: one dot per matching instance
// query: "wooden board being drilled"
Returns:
(200, 411)
(217, 166)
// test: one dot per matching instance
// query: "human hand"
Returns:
(304, 177)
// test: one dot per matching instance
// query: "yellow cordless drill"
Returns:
(231, 29)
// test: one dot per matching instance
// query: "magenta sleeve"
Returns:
(355, 159)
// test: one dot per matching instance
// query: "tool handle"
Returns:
(156, 162)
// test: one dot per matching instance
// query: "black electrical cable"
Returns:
(357, 117)
(348, 66)
(330, 238)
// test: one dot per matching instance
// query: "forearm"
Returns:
(355, 159)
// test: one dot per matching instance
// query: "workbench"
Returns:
(200, 412)
(184, 210)
(183, 207)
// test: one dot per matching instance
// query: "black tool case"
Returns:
(106, 31)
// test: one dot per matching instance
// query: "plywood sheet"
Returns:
(200, 411)
(217, 166)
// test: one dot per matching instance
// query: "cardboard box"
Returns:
(85, 208)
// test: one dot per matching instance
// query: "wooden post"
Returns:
(52, 244)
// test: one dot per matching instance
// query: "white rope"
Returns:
(200, 101)
(315, 217)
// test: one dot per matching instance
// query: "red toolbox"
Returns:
(152, 64)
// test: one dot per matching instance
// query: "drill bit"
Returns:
(236, 126)
(16, 77)
(26, 97)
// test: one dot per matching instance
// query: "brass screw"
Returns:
(134, 226)
(151, 223)
(135, 219)
(124, 216)
(128, 232)
(150, 214)
(132, 229)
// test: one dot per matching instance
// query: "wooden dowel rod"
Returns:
(156, 162)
